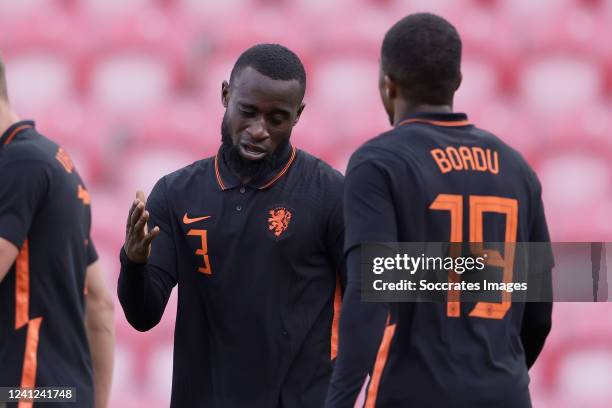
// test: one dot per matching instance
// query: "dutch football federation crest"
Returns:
(279, 221)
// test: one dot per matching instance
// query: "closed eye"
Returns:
(247, 113)
(277, 120)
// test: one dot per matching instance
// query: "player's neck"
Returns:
(7, 117)
(406, 109)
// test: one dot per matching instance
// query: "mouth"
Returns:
(251, 152)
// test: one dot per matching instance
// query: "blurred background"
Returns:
(131, 89)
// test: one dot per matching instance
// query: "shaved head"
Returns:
(422, 54)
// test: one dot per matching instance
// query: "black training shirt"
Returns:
(45, 212)
(256, 267)
(436, 178)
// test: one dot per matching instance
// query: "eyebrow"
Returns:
(247, 106)
(281, 111)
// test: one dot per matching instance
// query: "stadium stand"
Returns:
(132, 91)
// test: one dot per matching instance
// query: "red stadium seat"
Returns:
(480, 83)
(41, 52)
(353, 31)
(590, 124)
(528, 13)
(401, 8)
(137, 63)
(313, 10)
(545, 84)
(587, 348)
(214, 72)
(574, 182)
(509, 122)
(111, 9)
(488, 36)
(344, 93)
(137, 398)
(139, 169)
(148, 352)
(160, 373)
(47, 28)
(266, 25)
(135, 344)
(15, 10)
(38, 79)
(313, 135)
(576, 30)
(219, 10)
(127, 83)
(125, 382)
(185, 123)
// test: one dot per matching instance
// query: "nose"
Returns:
(258, 131)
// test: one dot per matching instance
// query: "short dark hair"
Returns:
(272, 60)
(422, 54)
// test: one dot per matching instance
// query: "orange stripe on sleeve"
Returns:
(379, 365)
(30, 359)
(336, 319)
(22, 286)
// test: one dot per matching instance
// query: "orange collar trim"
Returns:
(436, 122)
(219, 180)
(269, 183)
(10, 137)
(283, 171)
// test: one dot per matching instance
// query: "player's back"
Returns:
(45, 213)
(450, 181)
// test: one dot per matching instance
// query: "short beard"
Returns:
(248, 170)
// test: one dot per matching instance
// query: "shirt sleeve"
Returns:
(369, 214)
(92, 253)
(24, 184)
(335, 235)
(144, 289)
(361, 329)
(537, 317)
(163, 248)
(541, 260)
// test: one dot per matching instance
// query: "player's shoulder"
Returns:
(512, 156)
(317, 180)
(493, 140)
(31, 148)
(178, 178)
(312, 166)
(31, 145)
(380, 150)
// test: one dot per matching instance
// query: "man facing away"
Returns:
(253, 238)
(435, 177)
(56, 315)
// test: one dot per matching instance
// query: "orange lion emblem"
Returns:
(279, 220)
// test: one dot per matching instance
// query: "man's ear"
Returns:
(225, 91)
(459, 80)
(299, 113)
(390, 88)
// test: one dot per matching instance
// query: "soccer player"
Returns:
(253, 237)
(56, 315)
(435, 177)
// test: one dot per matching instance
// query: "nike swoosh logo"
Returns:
(188, 220)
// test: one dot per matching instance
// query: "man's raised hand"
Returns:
(138, 239)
